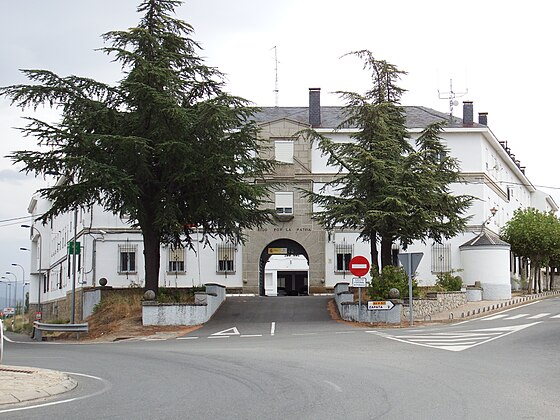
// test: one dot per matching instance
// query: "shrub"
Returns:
(390, 277)
(448, 282)
(173, 295)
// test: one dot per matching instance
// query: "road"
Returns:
(503, 366)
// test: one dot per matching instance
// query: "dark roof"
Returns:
(484, 239)
(332, 116)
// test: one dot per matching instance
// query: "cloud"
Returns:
(11, 176)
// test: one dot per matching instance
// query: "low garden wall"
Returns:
(434, 303)
(351, 311)
(154, 313)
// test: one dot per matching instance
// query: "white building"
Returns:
(296, 255)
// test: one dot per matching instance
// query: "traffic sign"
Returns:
(358, 282)
(410, 261)
(379, 305)
(74, 248)
(359, 265)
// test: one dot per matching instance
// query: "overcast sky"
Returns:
(503, 53)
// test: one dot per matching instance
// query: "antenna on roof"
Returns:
(276, 90)
(451, 95)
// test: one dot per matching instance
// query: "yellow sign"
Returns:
(277, 251)
(379, 304)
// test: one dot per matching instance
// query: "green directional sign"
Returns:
(74, 248)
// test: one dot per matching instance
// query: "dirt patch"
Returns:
(120, 318)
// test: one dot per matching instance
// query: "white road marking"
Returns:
(539, 316)
(453, 341)
(251, 335)
(107, 386)
(555, 316)
(491, 318)
(227, 333)
(517, 316)
(272, 328)
(187, 338)
(219, 336)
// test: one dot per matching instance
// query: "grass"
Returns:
(116, 307)
(20, 323)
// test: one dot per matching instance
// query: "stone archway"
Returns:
(283, 246)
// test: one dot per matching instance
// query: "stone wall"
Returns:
(352, 311)
(434, 303)
(60, 309)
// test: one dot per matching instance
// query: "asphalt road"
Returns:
(497, 367)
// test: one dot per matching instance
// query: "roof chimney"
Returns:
(483, 118)
(315, 107)
(467, 113)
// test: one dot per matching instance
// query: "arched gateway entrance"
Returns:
(288, 270)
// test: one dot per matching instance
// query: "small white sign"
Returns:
(373, 305)
(358, 282)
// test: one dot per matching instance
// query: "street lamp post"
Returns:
(15, 288)
(22, 283)
(40, 270)
(7, 297)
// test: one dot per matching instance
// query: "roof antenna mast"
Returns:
(451, 95)
(276, 90)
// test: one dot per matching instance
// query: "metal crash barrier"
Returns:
(39, 327)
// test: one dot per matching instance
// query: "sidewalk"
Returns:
(20, 384)
(477, 309)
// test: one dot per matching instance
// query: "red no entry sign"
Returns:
(359, 266)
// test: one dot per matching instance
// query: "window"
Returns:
(343, 253)
(284, 202)
(284, 151)
(127, 258)
(176, 260)
(226, 257)
(441, 258)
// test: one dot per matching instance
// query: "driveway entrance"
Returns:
(284, 269)
(266, 316)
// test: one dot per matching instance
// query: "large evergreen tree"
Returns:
(166, 146)
(387, 189)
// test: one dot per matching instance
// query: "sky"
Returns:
(500, 55)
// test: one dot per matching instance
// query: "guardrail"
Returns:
(1, 340)
(39, 327)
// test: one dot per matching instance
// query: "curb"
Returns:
(506, 304)
(22, 384)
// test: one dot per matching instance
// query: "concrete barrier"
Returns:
(351, 311)
(199, 312)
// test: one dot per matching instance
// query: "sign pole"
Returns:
(410, 314)
(359, 304)
(359, 266)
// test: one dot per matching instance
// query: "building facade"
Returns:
(294, 255)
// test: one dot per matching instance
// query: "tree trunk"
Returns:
(551, 284)
(534, 289)
(386, 251)
(529, 281)
(151, 259)
(539, 282)
(373, 250)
